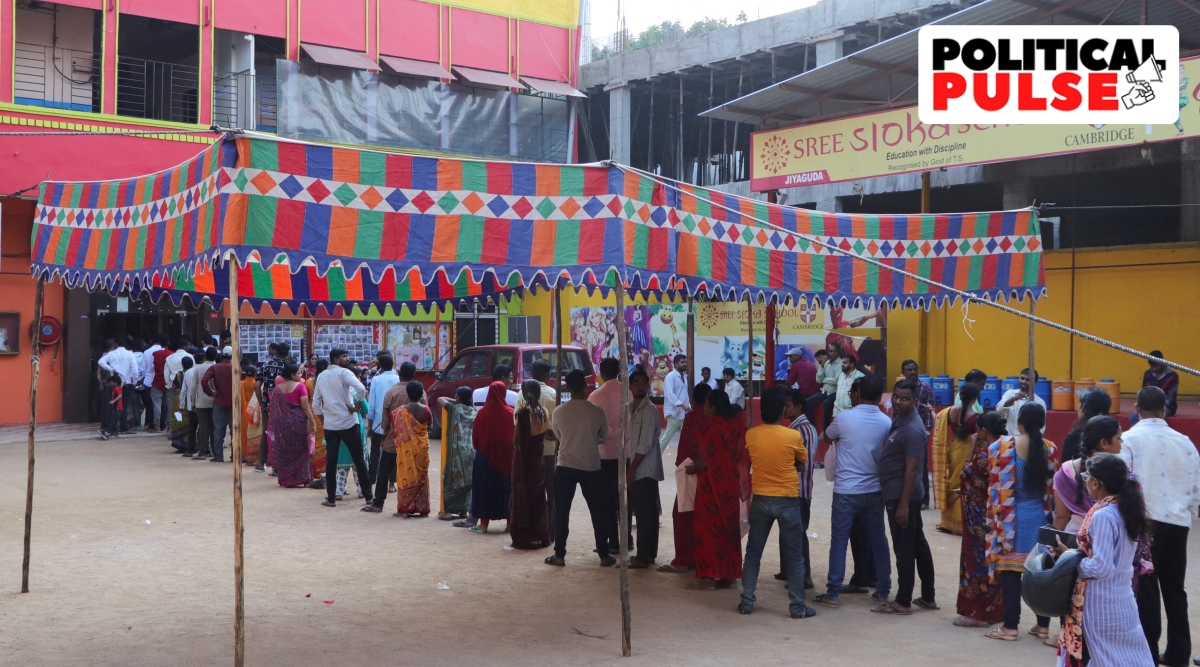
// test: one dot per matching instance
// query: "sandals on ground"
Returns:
(926, 604)
(891, 608)
(555, 560)
(826, 600)
(968, 622)
(998, 633)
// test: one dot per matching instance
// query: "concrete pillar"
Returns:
(829, 50)
(829, 205)
(1189, 191)
(619, 123)
(1016, 195)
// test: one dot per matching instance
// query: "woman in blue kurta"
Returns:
(1103, 629)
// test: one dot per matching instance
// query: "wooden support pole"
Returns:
(769, 348)
(35, 364)
(750, 363)
(622, 484)
(691, 346)
(556, 294)
(1032, 368)
(239, 603)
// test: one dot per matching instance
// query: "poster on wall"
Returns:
(256, 338)
(657, 333)
(721, 337)
(362, 341)
(416, 343)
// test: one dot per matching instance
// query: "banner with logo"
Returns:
(897, 142)
(722, 336)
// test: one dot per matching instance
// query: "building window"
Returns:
(57, 56)
(158, 74)
(244, 80)
(350, 106)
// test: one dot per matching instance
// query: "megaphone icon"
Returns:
(1148, 71)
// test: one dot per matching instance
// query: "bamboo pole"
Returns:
(556, 293)
(34, 366)
(1032, 311)
(750, 364)
(239, 611)
(691, 346)
(622, 483)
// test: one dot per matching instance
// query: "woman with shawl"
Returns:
(289, 429)
(1020, 500)
(458, 455)
(492, 437)
(979, 603)
(251, 416)
(410, 433)
(953, 432)
(722, 483)
(529, 522)
(683, 514)
(1103, 628)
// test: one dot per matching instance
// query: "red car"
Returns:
(473, 368)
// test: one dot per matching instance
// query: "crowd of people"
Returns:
(1126, 498)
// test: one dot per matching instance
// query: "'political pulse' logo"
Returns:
(1048, 75)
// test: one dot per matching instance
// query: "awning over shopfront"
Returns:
(417, 68)
(552, 87)
(374, 216)
(485, 77)
(328, 55)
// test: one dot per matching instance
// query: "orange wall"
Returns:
(16, 294)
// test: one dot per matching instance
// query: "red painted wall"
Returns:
(183, 11)
(18, 290)
(409, 29)
(86, 4)
(479, 40)
(545, 51)
(29, 160)
(261, 17)
(340, 23)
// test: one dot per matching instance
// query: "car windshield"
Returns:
(572, 360)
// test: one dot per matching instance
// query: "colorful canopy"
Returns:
(359, 218)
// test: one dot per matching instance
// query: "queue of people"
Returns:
(1127, 497)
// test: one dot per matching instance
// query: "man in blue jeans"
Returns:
(774, 452)
(859, 435)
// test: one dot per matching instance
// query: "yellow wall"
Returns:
(1143, 297)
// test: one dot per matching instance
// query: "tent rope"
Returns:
(968, 297)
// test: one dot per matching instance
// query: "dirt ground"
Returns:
(132, 565)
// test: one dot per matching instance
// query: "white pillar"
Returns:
(619, 123)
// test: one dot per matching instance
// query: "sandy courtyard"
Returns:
(133, 565)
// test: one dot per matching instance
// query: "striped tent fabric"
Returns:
(365, 217)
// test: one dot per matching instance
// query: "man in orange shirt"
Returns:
(774, 452)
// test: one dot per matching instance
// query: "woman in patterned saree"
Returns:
(457, 454)
(1020, 501)
(291, 422)
(723, 481)
(319, 452)
(979, 602)
(953, 431)
(410, 432)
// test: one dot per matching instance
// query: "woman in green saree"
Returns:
(458, 454)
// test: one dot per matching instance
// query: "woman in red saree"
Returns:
(979, 601)
(723, 481)
(694, 423)
(491, 478)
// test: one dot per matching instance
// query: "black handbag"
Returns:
(1048, 583)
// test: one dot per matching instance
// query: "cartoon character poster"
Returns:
(656, 334)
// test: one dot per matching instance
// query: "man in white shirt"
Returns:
(335, 398)
(850, 373)
(1166, 463)
(146, 386)
(707, 378)
(859, 433)
(1014, 399)
(122, 362)
(500, 373)
(187, 407)
(200, 402)
(385, 379)
(733, 388)
(676, 403)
